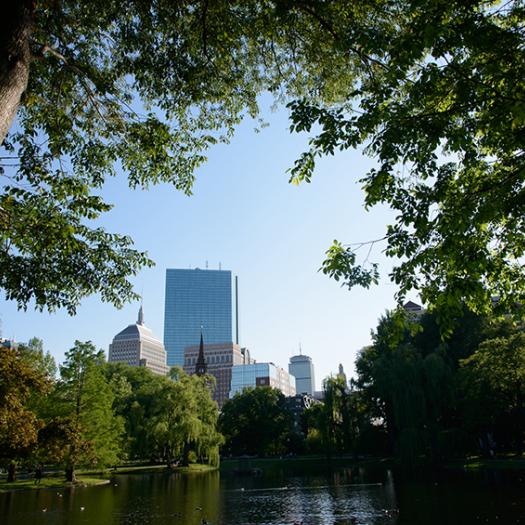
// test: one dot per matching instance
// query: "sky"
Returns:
(244, 215)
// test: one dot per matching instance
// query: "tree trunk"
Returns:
(11, 472)
(186, 455)
(15, 57)
(70, 473)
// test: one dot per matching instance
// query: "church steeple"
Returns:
(140, 319)
(200, 367)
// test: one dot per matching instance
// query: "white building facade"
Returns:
(302, 368)
(136, 345)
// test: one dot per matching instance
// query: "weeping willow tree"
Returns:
(184, 420)
(209, 439)
(411, 387)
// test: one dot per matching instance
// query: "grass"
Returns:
(498, 463)
(150, 469)
(50, 483)
(90, 477)
(249, 462)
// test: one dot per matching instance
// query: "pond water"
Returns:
(287, 494)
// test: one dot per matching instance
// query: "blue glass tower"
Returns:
(194, 299)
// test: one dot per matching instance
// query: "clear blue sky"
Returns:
(273, 235)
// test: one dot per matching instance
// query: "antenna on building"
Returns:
(206, 265)
(300, 349)
(220, 266)
(236, 310)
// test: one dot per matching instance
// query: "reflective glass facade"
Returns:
(261, 374)
(196, 298)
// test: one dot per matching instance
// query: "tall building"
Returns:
(302, 368)
(342, 375)
(137, 346)
(413, 309)
(219, 359)
(196, 300)
(262, 374)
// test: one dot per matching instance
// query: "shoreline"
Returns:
(90, 478)
(93, 478)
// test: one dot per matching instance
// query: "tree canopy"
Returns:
(144, 87)
(256, 421)
(432, 90)
(439, 103)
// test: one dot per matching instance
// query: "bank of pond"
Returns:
(311, 491)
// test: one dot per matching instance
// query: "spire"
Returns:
(140, 319)
(200, 366)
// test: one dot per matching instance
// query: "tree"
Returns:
(209, 439)
(165, 418)
(439, 101)
(85, 417)
(255, 421)
(494, 385)
(136, 393)
(433, 90)
(44, 362)
(408, 378)
(147, 86)
(19, 425)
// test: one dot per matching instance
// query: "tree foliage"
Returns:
(493, 378)
(439, 399)
(432, 90)
(256, 421)
(166, 418)
(439, 102)
(84, 415)
(19, 424)
(143, 88)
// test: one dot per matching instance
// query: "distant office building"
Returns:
(342, 375)
(318, 395)
(219, 359)
(196, 300)
(414, 309)
(8, 343)
(262, 374)
(297, 405)
(302, 368)
(137, 346)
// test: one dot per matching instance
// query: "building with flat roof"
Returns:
(302, 368)
(136, 345)
(262, 374)
(196, 300)
(218, 361)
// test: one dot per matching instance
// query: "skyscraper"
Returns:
(196, 300)
(302, 368)
(136, 345)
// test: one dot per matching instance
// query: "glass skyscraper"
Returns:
(194, 299)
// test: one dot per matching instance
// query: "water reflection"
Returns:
(311, 495)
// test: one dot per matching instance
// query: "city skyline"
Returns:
(244, 215)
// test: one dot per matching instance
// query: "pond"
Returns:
(286, 494)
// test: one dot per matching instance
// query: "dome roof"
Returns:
(135, 331)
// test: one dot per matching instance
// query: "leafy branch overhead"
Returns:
(144, 88)
(440, 104)
(433, 90)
